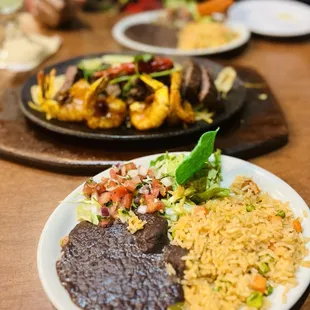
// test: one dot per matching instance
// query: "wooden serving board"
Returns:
(258, 129)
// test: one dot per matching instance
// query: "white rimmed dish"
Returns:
(275, 18)
(119, 34)
(63, 220)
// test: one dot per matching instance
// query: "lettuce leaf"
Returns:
(197, 158)
(89, 210)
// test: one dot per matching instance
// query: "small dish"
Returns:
(274, 18)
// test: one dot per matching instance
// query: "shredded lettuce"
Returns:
(166, 165)
(204, 185)
(89, 210)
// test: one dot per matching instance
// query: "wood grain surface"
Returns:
(28, 195)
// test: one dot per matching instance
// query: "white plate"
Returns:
(120, 28)
(63, 219)
(276, 18)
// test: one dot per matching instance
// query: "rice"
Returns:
(204, 35)
(228, 244)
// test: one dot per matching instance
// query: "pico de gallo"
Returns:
(128, 187)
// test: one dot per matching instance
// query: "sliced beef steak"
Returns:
(102, 268)
(173, 255)
(70, 77)
(208, 94)
(191, 81)
(153, 237)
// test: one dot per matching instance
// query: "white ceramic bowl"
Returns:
(63, 219)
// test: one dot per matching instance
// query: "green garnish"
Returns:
(128, 86)
(125, 78)
(250, 208)
(281, 213)
(90, 68)
(143, 58)
(212, 192)
(255, 300)
(90, 181)
(197, 158)
(263, 268)
(162, 73)
(269, 290)
(109, 204)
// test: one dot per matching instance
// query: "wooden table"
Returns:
(28, 196)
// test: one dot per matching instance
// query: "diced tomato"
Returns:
(153, 204)
(151, 173)
(104, 180)
(111, 184)
(126, 201)
(130, 185)
(123, 171)
(163, 191)
(155, 188)
(115, 176)
(89, 188)
(125, 168)
(118, 193)
(130, 166)
(104, 198)
(100, 188)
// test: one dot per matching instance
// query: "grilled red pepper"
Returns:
(154, 65)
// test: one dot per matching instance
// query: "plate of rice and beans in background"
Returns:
(178, 31)
(196, 230)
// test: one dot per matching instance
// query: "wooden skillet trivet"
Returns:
(259, 128)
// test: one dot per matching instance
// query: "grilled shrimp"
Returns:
(107, 113)
(178, 111)
(72, 109)
(147, 115)
(46, 85)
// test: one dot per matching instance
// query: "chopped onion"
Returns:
(115, 168)
(123, 171)
(142, 171)
(167, 181)
(133, 173)
(144, 190)
(142, 209)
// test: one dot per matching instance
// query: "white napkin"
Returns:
(25, 52)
